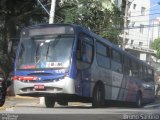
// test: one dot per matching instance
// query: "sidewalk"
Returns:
(20, 100)
(14, 101)
(20, 97)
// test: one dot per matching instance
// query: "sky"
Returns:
(154, 9)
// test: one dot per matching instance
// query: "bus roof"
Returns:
(92, 34)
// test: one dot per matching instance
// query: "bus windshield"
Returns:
(45, 51)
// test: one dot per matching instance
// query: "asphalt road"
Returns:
(17, 108)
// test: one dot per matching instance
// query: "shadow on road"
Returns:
(19, 102)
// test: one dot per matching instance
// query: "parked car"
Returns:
(4, 84)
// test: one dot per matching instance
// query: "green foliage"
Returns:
(156, 46)
(14, 15)
(94, 16)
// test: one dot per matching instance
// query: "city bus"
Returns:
(67, 62)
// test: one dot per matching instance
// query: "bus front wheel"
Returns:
(49, 102)
(98, 99)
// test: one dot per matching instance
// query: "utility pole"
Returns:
(52, 11)
(125, 25)
(51, 21)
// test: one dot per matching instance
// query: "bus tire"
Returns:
(49, 102)
(139, 100)
(98, 98)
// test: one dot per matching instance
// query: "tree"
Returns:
(94, 16)
(15, 14)
(156, 46)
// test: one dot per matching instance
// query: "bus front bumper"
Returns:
(64, 86)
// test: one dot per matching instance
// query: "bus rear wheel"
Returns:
(49, 102)
(98, 99)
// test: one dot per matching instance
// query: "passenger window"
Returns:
(127, 68)
(135, 69)
(145, 71)
(102, 49)
(84, 51)
(102, 55)
(150, 74)
(116, 61)
(116, 56)
(87, 52)
(141, 71)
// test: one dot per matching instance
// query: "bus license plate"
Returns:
(39, 87)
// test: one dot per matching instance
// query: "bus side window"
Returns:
(127, 68)
(87, 52)
(145, 72)
(140, 71)
(135, 69)
(116, 64)
(150, 74)
(103, 55)
(79, 49)
(84, 51)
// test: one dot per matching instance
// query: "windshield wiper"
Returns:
(47, 51)
(36, 57)
(53, 45)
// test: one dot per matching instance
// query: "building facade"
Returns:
(136, 33)
(155, 29)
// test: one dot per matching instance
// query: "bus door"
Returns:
(117, 76)
(148, 84)
(84, 61)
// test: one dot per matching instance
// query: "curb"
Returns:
(8, 108)
(20, 97)
(152, 106)
(25, 97)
